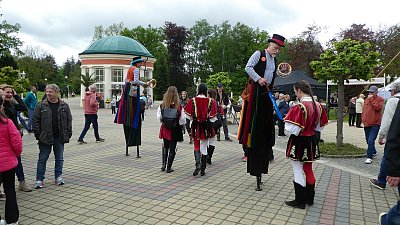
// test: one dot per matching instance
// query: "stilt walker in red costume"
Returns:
(202, 111)
(256, 122)
(128, 112)
(302, 121)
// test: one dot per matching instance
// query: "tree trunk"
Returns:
(339, 113)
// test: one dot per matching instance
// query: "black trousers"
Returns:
(12, 212)
(352, 118)
(358, 119)
(281, 128)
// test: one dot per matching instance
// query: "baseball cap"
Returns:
(373, 88)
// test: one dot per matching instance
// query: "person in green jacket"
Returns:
(30, 102)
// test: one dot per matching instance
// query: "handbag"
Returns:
(218, 123)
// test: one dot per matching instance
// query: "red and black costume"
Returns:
(202, 111)
(302, 121)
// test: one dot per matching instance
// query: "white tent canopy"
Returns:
(384, 92)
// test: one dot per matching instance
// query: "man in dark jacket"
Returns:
(52, 126)
(392, 149)
(223, 100)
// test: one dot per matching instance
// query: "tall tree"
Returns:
(176, 40)
(305, 48)
(101, 32)
(388, 42)
(346, 59)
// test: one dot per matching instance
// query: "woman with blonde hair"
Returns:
(171, 128)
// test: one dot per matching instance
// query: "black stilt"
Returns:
(137, 150)
(164, 158)
(126, 150)
(259, 183)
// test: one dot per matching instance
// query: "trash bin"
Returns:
(101, 104)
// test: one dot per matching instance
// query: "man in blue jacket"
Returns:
(30, 102)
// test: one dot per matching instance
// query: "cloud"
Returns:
(65, 28)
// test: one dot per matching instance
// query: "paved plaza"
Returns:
(103, 186)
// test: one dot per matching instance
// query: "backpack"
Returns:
(169, 117)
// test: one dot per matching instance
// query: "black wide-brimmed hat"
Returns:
(136, 60)
(278, 39)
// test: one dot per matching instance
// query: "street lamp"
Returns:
(196, 82)
(22, 75)
(66, 77)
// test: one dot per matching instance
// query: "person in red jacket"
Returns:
(91, 105)
(10, 149)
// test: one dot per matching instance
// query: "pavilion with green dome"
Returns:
(109, 58)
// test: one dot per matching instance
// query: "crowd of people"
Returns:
(203, 117)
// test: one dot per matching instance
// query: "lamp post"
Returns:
(66, 77)
(22, 75)
(196, 82)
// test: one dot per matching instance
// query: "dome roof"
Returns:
(117, 45)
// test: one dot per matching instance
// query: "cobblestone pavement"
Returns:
(103, 186)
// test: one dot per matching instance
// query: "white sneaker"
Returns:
(380, 217)
(368, 161)
(2, 222)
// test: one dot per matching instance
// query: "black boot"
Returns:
(164, 158)
(310, 193)
(210, 152)
(203, 164)
(171, 158)
(299, 201)
(197, 156)
(259, 183)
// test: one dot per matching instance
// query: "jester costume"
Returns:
(256, 126)
(128, 113)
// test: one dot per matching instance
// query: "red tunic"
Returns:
(304, 147)
(201, 109)
(304, 116)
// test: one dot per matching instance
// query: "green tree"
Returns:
(12, 77)
(221, 77)
(9, 40)
(346, 59)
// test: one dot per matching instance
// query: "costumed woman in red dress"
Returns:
(302, 121)
(170, 136)
(202, 111)
(128, 112)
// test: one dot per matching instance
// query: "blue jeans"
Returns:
(19, 170)
(383, 171)
(30, 116)
(44, 153)
(370, 136)
(393, 216)
(90, 119)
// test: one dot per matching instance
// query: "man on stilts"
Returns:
(256, 122)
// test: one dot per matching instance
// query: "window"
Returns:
(117, 75)
(100, 88)
(99, 74)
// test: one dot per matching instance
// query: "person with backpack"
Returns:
(10, 149)
(171, 117)
(202, 111)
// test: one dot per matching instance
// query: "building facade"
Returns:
(107, 60)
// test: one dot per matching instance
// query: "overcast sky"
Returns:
(65, 28)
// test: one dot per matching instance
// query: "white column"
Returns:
(107, 82)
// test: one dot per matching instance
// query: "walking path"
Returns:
(103, 186)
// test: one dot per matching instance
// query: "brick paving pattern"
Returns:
(103, 186)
